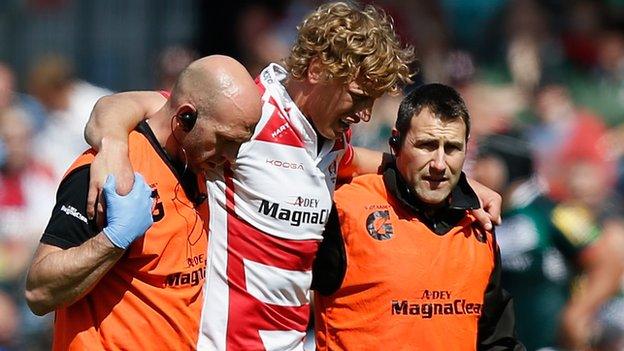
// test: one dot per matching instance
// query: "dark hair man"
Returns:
(403, 263)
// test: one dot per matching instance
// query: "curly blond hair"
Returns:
(353, 43)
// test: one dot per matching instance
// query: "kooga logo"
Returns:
(295, 218)
(283, 164)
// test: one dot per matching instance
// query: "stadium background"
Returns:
(505, 56)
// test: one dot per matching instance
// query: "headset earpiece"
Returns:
(187, 120)
(395, 140)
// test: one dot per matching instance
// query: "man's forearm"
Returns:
(111, 121)
(364, 161)
(114, 116)
(59, 277)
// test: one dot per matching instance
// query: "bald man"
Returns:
(137, 283)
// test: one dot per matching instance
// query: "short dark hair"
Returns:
(443, 101)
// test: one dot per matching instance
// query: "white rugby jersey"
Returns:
(267, 214)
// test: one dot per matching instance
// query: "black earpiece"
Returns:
(394, 141)
(187, 120)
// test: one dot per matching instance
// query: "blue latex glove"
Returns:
(129, 216)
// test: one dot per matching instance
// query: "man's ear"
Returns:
(315, 71)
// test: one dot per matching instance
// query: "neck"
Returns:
(432, 210)
(298, 90)
(163, 127)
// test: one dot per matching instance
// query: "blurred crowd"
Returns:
(544, 84)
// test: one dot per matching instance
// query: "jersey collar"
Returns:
(273, 78)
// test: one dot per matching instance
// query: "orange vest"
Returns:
(152, 297)
(405, 287)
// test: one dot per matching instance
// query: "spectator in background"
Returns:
(259, 22)
(67, 102)
(545, 245)
(602, 87)
(171, 62)
(563, 134)
(27, 189)
(7, 86)
(9, 97)
(583, 27)
(9, 322)
(530, 45)
(590, 192)
(610, 57)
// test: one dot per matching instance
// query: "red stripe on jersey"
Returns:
(257, 246)
(278, 130)
(348, 135)
(247, 315)
(339, 143)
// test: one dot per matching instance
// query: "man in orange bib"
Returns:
(135, 285)
(403, 264)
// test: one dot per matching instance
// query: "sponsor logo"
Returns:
(266, 75)
(285, 164)
(379, 226)
(305, 202)
(332, 168)
(279, 130)
(195, 260)
(435, 294)
(376, 207)
(295, 218)
(430, 309)
(332, 171)
(158, 212)
(72, 211)
(192, 278)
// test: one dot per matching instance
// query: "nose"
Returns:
(438, 162)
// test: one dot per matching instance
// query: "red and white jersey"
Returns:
(267, 214)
